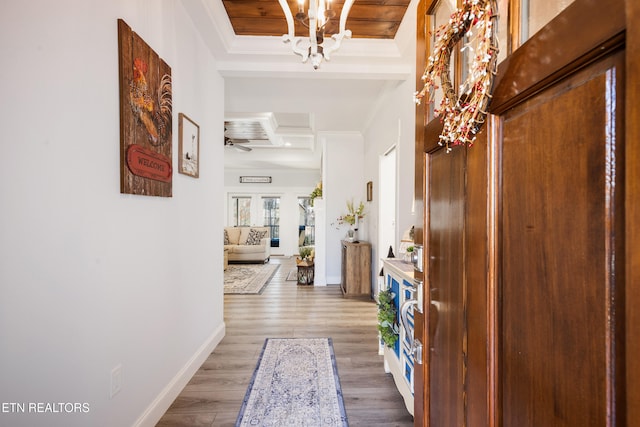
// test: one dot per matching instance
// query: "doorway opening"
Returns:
(387, 205)
(306, 222)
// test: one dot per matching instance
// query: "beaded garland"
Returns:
(464, 115)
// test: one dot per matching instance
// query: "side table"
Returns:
(305, 273)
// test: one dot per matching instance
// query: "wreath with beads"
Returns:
(463, 115)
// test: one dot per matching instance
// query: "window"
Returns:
(241, 211)
(440, 16)
(535, 14)
(271, 215)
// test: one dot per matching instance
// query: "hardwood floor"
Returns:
(286, 310)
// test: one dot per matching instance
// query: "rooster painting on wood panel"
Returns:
(145, 117)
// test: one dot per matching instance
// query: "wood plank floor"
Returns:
(286, 310)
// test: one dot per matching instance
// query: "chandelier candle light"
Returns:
(316, 19)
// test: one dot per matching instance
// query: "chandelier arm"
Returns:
(298, 49)
(344, 33)
(313, 37)
(337, 42)
(315, 50)
(290, 37)
(304, 22)
(344, 14)
(296, 46)
(287, 14)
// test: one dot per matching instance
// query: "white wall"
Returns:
(343, 181)
(90, 278)
(393, 123)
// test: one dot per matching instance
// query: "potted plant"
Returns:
(317, 192)
(352, 217)
(387, 318)
(305, 254)
(409, 254)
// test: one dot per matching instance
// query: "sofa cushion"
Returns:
(244, 233)
(234, 235)
(226, 237)
(255, 236)
(248, 249)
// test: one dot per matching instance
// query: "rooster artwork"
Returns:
(155, 115)
(145, 117)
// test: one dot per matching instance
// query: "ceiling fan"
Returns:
(236, 143)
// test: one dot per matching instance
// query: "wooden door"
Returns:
(532, 315)
(559, 355)
(559, 235)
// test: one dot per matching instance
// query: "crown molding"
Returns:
(246, 56)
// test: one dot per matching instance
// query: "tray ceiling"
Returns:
(374, 19)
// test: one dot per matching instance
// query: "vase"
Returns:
(355, 229)
(351, 235)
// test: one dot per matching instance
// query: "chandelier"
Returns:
(316, 19)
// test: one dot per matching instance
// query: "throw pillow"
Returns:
(255, 236)
(226, 237)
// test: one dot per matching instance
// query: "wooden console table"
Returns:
(356, 269)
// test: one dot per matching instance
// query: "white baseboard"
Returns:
(161, 403)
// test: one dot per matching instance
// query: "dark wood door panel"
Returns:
(476, 268)
(445, 286)
(561, 187)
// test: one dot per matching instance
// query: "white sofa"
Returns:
(247, 244)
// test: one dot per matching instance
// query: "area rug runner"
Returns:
(293, 275)
(248, 278)
(295, 384)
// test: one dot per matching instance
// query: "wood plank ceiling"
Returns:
(375, 19)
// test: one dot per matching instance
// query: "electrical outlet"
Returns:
(116, 380)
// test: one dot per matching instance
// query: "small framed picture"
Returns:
(188, 146)
(369, 191)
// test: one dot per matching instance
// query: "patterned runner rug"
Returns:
(293, 275)
(248, 278)
(295, 384)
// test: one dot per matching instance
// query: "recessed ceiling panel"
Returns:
(374, 19)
